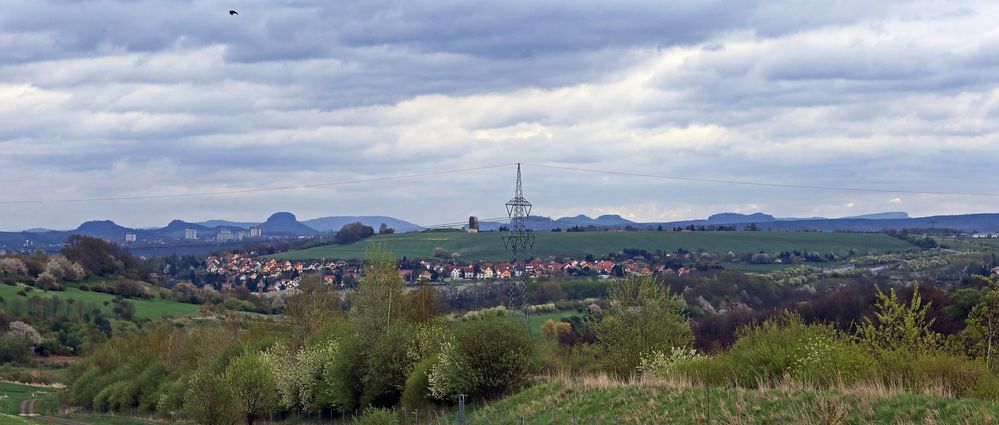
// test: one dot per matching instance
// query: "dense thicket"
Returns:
(322, 358)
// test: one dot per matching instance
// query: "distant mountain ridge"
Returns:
(987, 222)
(227, 223)
(735, 218)
(883, 216)
(334, 223)
(285, 224)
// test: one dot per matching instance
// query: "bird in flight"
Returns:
(232, 12)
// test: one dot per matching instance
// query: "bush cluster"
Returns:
(385, 351)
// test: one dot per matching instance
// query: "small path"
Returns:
(27, 408)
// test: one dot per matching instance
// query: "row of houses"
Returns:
(239, 269)
(235, 264)
(534, 269)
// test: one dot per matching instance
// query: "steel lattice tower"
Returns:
(518, 239)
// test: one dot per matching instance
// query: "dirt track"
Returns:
(27, 408)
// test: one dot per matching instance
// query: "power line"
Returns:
(765, 184)
(251, 190)
(463, 170)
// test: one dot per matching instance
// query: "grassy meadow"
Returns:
(11, 396)
(538, 320)
(488, 246)
(153, 309)
(587, 400)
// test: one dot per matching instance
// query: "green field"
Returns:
(144, 309)
(565, 400)
(538, 320)
(973, 243)
(11, 396)
(488, 246)
(8, 419)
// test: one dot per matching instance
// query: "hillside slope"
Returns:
(154, 308)
(594, 400)
(489, 246)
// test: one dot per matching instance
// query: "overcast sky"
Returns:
(161, 97)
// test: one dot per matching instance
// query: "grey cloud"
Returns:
(124, 97)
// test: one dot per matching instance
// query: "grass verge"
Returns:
(587, 400)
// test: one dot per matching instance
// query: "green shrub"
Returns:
(897, 326)
(15, 348)
(130, 288)
(828, 356)
(583, 358)
(954, 373)
(250, 380)
(298, 375)
(236, 304)
(171, 396)
(342, 381)
(582, 289)
(417, 391)
(375, 416)
(208, 400)
(645, 318)
(785, 347)
(149, 382)
(487, 358)
(665, 364)
(117, 396)
(387, 367)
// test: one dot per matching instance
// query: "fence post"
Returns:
(461, 409)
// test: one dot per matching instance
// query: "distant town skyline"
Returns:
(153, 97)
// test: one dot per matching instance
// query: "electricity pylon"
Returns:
(518, 240)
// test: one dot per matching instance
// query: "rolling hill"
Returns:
(153, 309)
(488, 246)
(286, 225)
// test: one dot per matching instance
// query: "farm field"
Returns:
(965, 243)
(599, 400)
(488, 246)
(153, 309)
